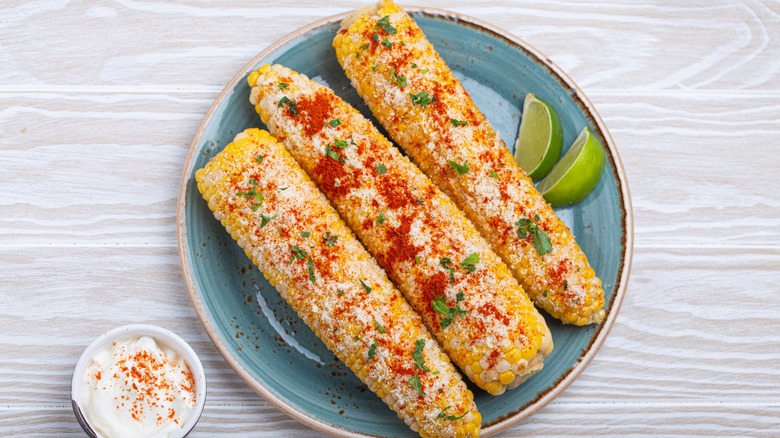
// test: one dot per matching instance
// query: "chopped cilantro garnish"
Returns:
(526, 227)
(305, 234)
(339, 291)
(373, 68)
(423, 71)
(419, 359)
(422, 98)
(364, 46)
(335, 122)
(457, 123)
(372, 350)
(375, 37)
(299, 253)
(469, 262)
(290, 105)
(330, 239)
(414, 382)
(381, 219)
(365, 286)
(311, 271)
(462, 169)
(443, 414)
(282, 85)
(341, 144)
(439, 304)
(565, 285)
(333, 154)
(379, 327)
(259, 159)
(417, 260)
(381, 169)
(265, 219)
(493, 174)
(397, 79)
(446, 263)
(414, 65)
(387, 43)
(384, 23)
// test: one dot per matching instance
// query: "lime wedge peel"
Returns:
(539, 138)
(577, 173)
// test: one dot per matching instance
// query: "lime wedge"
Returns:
(539, 139)
(578, 172)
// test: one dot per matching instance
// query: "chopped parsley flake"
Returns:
(526, 227)
(423, 71)
(290, 105)
(381, 219)
(311, 271)
(565, 285)
(493, 174)
(419, 359)
(414, 382)
(305, 234)
(375, 38)
(364, 46)
(387, 43)
(462, 169)
(282, 86)
(259, 159)
(330, 239)
(253, 194)
(439, 304)
(384, 23)
(339, 291)
(335, 122)
(379, 327)
(469, 262)
(414, 65)
(422, 98)
(457, 123)
(265, 219)
(366, 287)
(381, 169)
(373, 68)
(372, 350)
(417, 260)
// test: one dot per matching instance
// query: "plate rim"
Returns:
(577, 95)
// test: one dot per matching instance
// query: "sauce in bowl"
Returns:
(137, 385)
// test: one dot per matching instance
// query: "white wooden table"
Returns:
(99, 101)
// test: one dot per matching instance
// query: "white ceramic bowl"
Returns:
(161, 336)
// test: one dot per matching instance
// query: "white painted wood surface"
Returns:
(99, 101)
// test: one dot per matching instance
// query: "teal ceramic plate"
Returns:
(263, 339)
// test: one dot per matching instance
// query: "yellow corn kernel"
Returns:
(507, 377)
(252, 79)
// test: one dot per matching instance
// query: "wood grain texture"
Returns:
(99, 105)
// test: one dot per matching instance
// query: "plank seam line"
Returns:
(213, 89)
(702, 403)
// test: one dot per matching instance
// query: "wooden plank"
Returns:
(556, 420)
(703, 45)
(701, 168)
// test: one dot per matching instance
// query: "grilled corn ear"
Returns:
(290, 231)
(426, 110)
(445, 269)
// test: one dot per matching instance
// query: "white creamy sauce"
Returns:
(137, 388)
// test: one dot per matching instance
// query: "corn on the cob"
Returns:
(448, 273)
(290, 231)
(426, 110)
